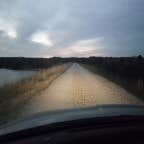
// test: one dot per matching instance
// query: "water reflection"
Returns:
(9, 76)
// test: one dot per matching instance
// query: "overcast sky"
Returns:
(47, 28)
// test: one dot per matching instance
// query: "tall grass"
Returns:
(15, 95)
(132, 85)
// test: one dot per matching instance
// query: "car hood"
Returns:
(58, 116)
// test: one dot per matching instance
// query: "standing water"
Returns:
(10, 76)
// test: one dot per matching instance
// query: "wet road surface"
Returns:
(78, 87)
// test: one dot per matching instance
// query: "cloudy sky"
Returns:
(46, 28)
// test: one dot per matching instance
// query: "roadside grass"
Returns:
(129, 84)
(14, 96)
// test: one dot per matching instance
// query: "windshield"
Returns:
(69, 54)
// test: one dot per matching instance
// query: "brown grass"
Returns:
(15, 95)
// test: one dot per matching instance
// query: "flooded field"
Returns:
(10, 76)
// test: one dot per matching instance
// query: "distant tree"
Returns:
(139, 57)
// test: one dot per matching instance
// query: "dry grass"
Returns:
(14, 96)
(35, 83)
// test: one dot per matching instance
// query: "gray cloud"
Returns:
(67, 22)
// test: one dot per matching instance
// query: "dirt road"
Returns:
(78, 87)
